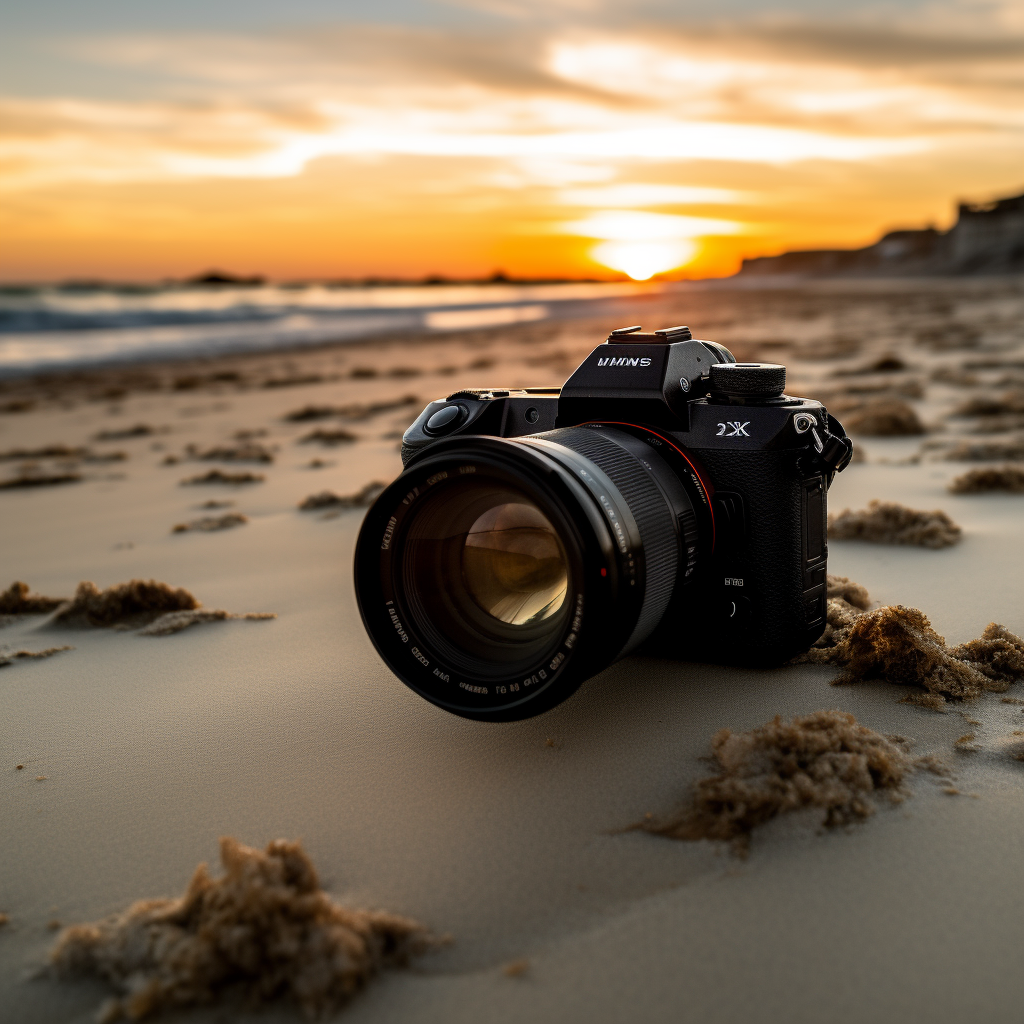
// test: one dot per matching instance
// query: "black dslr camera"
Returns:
(667, 495)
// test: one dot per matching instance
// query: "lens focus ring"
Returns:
(619, 455)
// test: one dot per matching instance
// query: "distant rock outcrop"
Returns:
(988, 238)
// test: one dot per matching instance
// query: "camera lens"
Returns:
(495, 575)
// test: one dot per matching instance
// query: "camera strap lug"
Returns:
(836, 452)
(834, 449)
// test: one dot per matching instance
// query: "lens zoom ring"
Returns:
(655, 519)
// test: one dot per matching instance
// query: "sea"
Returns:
(58, 327)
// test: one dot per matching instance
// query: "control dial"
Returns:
(748, 380)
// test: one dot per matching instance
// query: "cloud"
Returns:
(259, 106)
(353, 59)
(538, 117)
(637, 226)
(647, 194)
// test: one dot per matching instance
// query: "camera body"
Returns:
(755, 464)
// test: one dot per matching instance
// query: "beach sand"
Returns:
(509, 838)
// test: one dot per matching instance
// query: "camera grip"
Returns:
(766, 583)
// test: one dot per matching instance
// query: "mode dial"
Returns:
(748, 380)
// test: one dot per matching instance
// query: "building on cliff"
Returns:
(988, 238)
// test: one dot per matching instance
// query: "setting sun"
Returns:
(642, 244)
(642, 260)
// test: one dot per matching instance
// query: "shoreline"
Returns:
(672, 296)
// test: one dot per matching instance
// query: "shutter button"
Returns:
(444, 420)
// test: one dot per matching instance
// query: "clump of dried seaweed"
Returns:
(244, 451)
(898, 644)
(296, 380)
(358, 411)
(17, 405)
(889, 418)
(133, 603)
(887, 522)
(328, 437)
(948, 336)
(9, 658)
(883, 364)
(207, 524)
(353, 411)
(982, 481)
(127, 433)
(33, 476)
(162, 609)
(956, 376)
(175, 622)
(310, 412)
(263, 932)
(63, 454)
(845, 601)
(363, 498)
(218, 476)
(986, 451)
(997, 424)
(825, 760)
(50, 451)
(842, 588)
(877, 390)
(17, 599)
(992, 405)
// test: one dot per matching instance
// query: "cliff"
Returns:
(988, 238)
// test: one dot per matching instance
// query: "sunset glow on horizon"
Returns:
(459, 141)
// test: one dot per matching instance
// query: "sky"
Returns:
(142, 140)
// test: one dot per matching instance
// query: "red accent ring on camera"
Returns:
(708, 488)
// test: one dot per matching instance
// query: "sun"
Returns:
(642, 260)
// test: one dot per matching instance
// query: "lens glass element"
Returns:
(485, 573)
(513, 564)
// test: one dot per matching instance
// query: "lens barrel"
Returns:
(495, 575)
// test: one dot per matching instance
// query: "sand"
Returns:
(154, 747)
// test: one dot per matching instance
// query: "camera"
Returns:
(667, 497)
